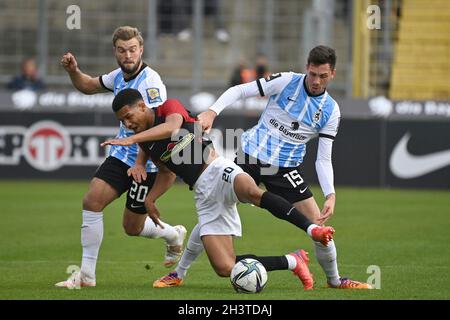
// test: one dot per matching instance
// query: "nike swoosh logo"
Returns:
(407, 166)
(135, 207)
(301, 191)
(290, 99)
(289, 212)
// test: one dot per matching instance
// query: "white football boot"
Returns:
(76, 281)
(174, 252)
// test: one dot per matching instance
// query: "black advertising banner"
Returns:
(418, 154)
(53, 145)
(357, 154)
(366, 152)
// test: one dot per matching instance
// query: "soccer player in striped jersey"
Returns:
(299, 109)
(118, 173)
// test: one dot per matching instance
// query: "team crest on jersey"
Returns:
(153, 95)
(176, 147)
(317, 116)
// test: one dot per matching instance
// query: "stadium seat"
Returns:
(420, 68)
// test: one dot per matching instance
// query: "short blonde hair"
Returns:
(126, 33)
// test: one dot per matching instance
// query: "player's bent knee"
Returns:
(90, 203)
(132, 230)
(255, 194)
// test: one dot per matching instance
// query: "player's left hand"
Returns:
(328, 209)
(118, 142)
(138, 173)
(206, 119)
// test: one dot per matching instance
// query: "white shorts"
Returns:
(216, 201)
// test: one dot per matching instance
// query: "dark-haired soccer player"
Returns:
(166, 135)
(299, 109)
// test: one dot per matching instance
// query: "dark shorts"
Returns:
(285, 182)
(114, 172)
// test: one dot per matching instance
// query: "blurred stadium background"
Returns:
(392, 84)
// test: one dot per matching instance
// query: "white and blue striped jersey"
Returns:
(290, 119)
(152, 89)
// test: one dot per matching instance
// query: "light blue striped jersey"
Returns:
(152, 89)
(291, 118)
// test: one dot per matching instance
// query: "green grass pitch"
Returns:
(404, 232)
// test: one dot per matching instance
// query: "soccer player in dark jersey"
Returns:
(167, 135)
(115, 175)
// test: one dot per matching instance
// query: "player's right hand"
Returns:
(206, 119)
(138, 173)
(153, 212)
(69, 62)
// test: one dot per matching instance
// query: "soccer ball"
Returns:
(248, 276)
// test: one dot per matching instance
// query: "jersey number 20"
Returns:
(138, 192)
(226, 174)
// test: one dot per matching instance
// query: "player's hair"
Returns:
(322, 55)
(126, 97)
(126, 33)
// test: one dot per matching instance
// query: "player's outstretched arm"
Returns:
(164, 130)
(164, 180)
(230, 96)
(159, 132)
(324, 169)
(83, 82)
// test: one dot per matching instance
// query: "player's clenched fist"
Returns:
(69, 62)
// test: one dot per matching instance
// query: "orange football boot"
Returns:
(171, 280)
(302, 270)
(322, 234)
(351, 284)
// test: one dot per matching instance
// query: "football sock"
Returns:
(327, 258)
(270, 263)
(292, 262)
(282, 209)
(194, 248)
(152, 231)
(310, 228)
(91, 239)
